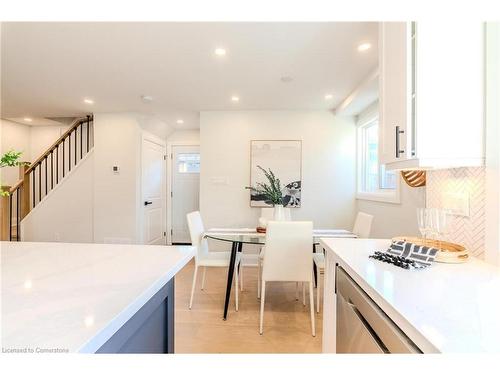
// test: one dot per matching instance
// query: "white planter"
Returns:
(279, 213)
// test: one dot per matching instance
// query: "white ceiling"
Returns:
(49, 68)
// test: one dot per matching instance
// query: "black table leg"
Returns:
(230, 273)
(315, 270)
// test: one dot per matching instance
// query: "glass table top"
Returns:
(255, 238)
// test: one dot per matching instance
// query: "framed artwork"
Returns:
(284, 158)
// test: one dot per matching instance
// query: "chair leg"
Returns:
(258, 278)
(304, 294)
(262, 298)
(203, 278)
(296, 291)
(311, 302)
(192, 288)
(236, 289)
(317, 296)
(241, 275)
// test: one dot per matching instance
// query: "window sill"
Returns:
(380, 196)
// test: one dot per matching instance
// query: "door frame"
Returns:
(159, 141)
(170, 146)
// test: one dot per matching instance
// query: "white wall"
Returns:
(185, 136)
(42, 137)
(65, 215)
(328, 165)
(154, 126)
(117, 138)
(391, 219)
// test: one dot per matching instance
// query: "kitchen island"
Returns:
(446, 308)
(90, 298)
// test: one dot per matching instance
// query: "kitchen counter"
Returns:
(446, 308)
(59, 297)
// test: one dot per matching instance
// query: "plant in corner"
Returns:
(10, 159)
(271, 191)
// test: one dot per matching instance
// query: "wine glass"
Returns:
(423, 222)
(443, 222)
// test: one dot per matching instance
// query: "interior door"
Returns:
(153, 192)
(185, 189)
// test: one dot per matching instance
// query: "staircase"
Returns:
(38, 179)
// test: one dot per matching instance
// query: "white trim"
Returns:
(169, 182)
(381, 195)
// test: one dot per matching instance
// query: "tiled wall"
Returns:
(468, 231)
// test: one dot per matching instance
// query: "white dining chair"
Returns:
(288, 258)
(205, 258)
(362, 228)
(268, 214)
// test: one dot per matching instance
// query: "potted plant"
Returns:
(10, 159)
(271, 191)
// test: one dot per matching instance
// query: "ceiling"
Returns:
(48, 69)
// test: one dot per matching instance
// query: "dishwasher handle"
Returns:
(368, 327)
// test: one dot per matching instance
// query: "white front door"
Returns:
(185, 189)
(153, 191)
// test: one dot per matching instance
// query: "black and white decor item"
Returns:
(284, 158)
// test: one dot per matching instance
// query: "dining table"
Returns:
(239, 236)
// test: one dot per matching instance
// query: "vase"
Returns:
(279, 212)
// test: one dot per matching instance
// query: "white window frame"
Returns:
(380, 195)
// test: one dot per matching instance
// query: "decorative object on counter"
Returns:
(448, 252)
(261, 230)
(414, 178)
(434, 222)
(397, 260)
(284, 158)
(407, 255)
(423, 221)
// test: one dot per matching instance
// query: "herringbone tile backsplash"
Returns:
(467, 231)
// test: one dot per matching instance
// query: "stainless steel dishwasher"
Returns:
(362, 327)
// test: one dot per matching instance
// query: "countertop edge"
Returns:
(418, 338)
(93, 344)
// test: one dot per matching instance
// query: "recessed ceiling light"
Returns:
(180, 121)
(146, 98)
(88, 101)
(220, 52)
(28, 119)
(364, 47)
(328, 96)
(89, 321)
(235, 98)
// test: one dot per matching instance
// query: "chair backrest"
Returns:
(196, 231)
(288, 253)
(363, 225)
(268, 213)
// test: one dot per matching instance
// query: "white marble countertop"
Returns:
(74, 297)
(448, 308)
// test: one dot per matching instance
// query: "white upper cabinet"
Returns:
(431, 94)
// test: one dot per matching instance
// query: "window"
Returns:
(374, 182)
(188, 163)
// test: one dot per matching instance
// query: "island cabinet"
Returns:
(150, 330)
(99, 298)
(431, 94)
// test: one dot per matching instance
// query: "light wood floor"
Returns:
(201, 330)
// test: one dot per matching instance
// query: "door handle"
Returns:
(398, 151)
(147, 203)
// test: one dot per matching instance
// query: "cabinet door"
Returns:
(395, 91)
